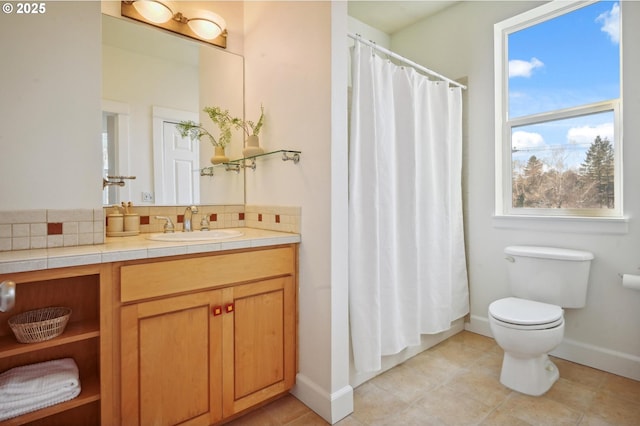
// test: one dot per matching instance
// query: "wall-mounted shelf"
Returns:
(250, 162)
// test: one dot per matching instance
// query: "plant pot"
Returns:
(219, 156)
(252, 147)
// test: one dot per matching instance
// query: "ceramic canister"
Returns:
(131, 222)
(115, 223)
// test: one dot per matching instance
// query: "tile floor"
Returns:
(457, 383)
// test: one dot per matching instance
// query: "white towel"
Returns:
(35, 386)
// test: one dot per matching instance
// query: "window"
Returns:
(558, 111)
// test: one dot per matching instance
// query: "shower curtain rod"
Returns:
(405, 60)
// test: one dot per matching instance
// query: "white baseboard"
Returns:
(331, 407)
(615, 362)
(479, 325)
(604, 359)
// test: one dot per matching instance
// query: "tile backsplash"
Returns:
(219, 216)
(273, 218)
(40, 229)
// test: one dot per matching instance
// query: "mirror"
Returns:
(152, 79)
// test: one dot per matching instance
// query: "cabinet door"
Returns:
(259, 341)
(171, 361)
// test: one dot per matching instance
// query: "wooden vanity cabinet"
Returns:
(86, 339)
(204, 338)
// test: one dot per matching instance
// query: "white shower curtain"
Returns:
(407, 260)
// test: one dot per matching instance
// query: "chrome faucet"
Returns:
(188, 214)
(168, 226)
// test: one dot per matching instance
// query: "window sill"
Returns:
(582, 225)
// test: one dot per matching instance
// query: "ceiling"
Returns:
(391, 16)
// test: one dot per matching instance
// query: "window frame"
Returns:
(504, 125)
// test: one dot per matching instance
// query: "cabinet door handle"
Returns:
(7, 295)
(228, 308)
(216, 310)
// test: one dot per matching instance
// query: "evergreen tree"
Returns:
(533, 178)
(597, 174)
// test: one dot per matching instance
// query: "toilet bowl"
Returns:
(527, 330)
(530, 323)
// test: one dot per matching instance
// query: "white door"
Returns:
(181, 164)
(176, 160)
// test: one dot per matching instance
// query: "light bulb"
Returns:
(205, 28)
(154, 11)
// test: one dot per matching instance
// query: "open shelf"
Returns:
(74, 332)
(290, 155)
(250, 162)
(90, 393)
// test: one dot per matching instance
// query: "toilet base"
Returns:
(531, 376)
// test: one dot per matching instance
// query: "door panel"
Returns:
(171, 361)
(258, 343)
(176, 179)
(174, 368)
(181, 162)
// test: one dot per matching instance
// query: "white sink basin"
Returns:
(219, 234)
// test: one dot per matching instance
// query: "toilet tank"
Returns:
(549, 274)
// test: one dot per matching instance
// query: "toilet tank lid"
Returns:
(549, 253)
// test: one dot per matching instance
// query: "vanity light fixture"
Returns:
(206, 26)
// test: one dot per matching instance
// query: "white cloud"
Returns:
(520, 68)
(611, 23)
(525, 140)
(587, 134)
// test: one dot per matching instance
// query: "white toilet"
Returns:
(530, 324)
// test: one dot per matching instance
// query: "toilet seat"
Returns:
(523, 314)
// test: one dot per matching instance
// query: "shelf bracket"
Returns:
(232, 167)
(251, 166)
(291, 155)
(207, 171)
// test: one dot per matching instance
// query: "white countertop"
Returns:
(117, 249)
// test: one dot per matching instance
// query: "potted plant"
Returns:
(223, 120)
(251, 129)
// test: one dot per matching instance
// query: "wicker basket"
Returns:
(39, 325)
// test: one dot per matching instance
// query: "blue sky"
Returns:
(565, 62)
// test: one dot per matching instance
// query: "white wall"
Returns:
(605, 334)
(368, 32)
(50, 110)
(288, 54)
